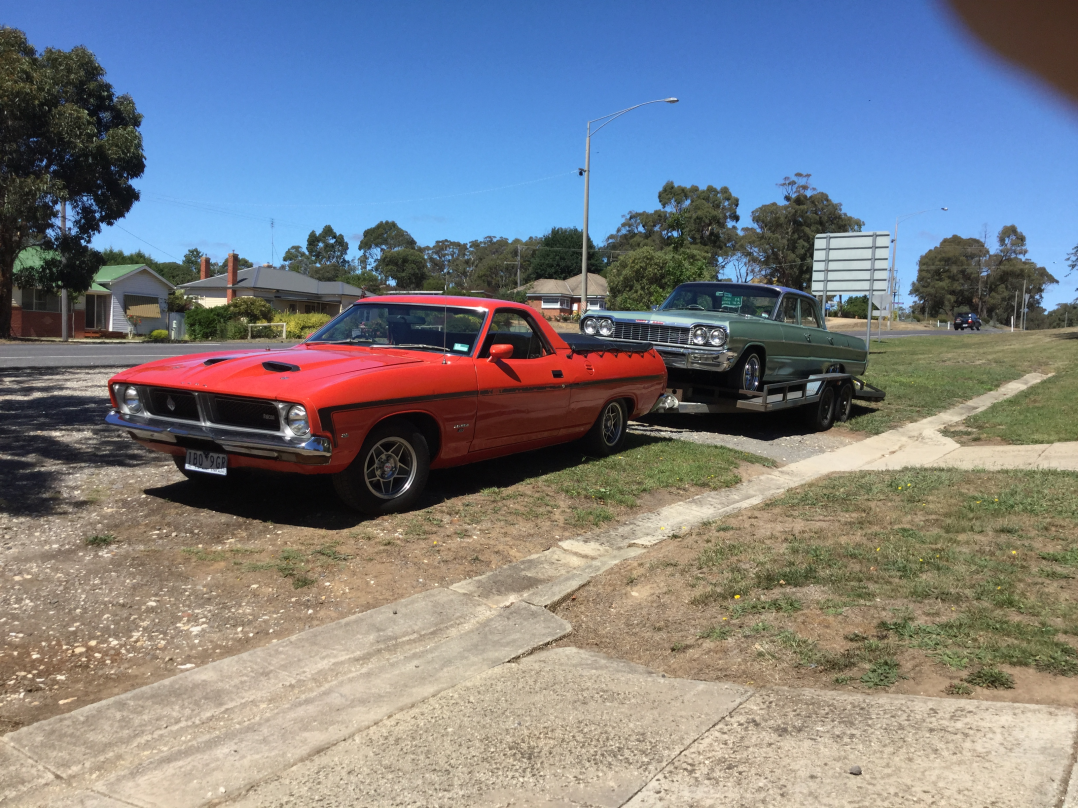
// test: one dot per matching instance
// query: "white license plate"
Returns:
(209, 462)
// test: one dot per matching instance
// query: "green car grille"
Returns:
(648, 332)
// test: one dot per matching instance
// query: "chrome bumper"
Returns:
(311, 451)
(676, 357)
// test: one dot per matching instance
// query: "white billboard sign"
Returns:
(851, 264)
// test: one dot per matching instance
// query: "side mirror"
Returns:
(654, 308)
(500, 352)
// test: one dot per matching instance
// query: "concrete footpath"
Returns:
(445, 699)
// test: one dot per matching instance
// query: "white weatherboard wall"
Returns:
(138, 283)
(852, 264)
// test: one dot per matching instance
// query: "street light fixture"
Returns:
(586, 172)
(894, 258)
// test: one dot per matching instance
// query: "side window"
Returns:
(512, 328)
(810, 314)
(788, 311)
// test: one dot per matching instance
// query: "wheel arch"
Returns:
(426, 423)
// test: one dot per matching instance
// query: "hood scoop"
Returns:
(217, 359)
(280, 367)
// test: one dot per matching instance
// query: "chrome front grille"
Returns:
(247, 412)
(655, 334)
(213, 410)
(173, 404)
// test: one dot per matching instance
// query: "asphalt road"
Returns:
(122, 354)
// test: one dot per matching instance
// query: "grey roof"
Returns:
(597, 286)
(276, 280)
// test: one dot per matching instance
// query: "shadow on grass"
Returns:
(301, 500)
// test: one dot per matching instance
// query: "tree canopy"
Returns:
(66, 137)
(646, 277)
(782, 237)
(960, 274)
(381, 238)
(406, 267)
(327, 247)
(558, 255)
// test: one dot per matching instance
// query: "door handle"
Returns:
(808, 337)
(831, 340)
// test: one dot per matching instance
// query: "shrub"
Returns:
(300, 326)
(855, 307)
(158, 335)
(250, 309)
(203, 323)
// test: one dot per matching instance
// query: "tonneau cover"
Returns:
(582, 343)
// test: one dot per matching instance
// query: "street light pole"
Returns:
(586, 171)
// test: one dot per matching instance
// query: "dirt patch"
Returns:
(956, 584)
(118, 572)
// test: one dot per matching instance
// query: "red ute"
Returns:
(391, 388)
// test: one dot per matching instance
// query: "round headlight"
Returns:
(699, 335)
(590, 326)
(606, 327)
(131, 401)
(296, 418)
(718, 337)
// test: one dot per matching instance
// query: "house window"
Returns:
(310, 308)
(142, 306)
(97, 312)
(597, 303)
(39, 300)
(555, 303)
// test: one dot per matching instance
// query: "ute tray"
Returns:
(584, 344)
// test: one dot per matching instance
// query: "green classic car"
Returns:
(736, 336)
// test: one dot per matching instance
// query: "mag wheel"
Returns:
(390, 471)
(747, 373)
(607, 434)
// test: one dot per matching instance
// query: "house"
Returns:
(554, 298)
(121, 298)
(285, 291)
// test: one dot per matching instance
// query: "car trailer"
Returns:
(832, 394)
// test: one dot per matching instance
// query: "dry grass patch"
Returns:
(921, 581)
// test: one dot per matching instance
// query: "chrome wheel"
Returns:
(750, 373)
(390, 468)
(613, 423)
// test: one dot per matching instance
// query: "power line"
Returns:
(144, 241)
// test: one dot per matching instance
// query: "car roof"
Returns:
(445, 300)
(761, 285)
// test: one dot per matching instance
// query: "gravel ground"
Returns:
(778, 436)
(115, 571)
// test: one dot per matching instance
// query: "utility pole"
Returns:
(65, 301)
(518, 266)
(1015, 315)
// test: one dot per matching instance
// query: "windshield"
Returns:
(402, 325)
(731, 298)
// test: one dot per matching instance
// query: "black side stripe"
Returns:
(325, 415)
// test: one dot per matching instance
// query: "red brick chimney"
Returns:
(233, 276)
(204, 268)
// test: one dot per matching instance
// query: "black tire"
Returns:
(844, 403)
(396, 448)
(607, 434)
(820, 416)
(749, 370)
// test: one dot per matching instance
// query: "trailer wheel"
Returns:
(821, 415)
(845, 403)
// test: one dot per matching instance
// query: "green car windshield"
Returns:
(728, 298)
(415, 327)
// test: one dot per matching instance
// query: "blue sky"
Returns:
(461, 120)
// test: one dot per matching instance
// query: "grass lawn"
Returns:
(1042, 414)
(925, 375)
(920, 581)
